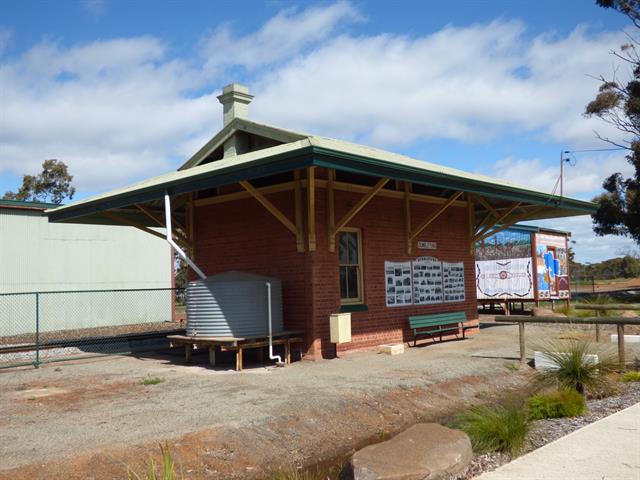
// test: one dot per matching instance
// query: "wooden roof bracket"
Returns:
(482, 230)
(471, 219)
(130, 223)
(270, 207)
(434, 215)
(520, 218)
(182, 236)
(354, 211)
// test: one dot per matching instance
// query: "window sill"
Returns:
(353, 308)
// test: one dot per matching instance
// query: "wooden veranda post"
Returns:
(407, 215)
(298, 209)
(311, 207)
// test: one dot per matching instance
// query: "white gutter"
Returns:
(271, 355)
(167, 218)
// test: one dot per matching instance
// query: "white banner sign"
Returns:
(504, 279)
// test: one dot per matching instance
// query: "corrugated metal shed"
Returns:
(37, 256)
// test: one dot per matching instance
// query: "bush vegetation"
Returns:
(563, 403)
(631, 376)
(500, 428)
(574, 368)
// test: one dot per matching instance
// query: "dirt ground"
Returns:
(91, 419)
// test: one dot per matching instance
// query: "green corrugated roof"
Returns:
(323, 152)
(28, 204)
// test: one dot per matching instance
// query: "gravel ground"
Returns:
(547, 430)
(57, 335)
(86, 419)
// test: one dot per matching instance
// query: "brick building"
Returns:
(345, 227)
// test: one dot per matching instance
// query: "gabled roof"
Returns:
(241, 125)
(317, 151)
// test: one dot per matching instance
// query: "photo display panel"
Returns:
(427, 281)
(398, 284)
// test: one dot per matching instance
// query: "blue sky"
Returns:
(124, 90)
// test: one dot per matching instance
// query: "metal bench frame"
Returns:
(446, 322)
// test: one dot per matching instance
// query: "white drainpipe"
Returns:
(271, 355)
(167, 218)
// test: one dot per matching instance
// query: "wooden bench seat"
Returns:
(437, 324)
(235, 344)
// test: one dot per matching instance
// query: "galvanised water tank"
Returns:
(233, 304)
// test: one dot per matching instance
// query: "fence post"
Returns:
(523, 356)
(37, 362)
(599, 313)
(621, 345)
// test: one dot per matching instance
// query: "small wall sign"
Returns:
(427, 245)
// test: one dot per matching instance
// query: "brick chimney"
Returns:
(235, 100)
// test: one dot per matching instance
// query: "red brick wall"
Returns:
(382, 226)
(243, 236)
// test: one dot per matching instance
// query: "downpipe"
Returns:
(278, 359)
(167, 219)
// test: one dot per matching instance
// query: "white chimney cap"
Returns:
(235, 100)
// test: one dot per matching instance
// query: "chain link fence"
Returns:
(38, 327)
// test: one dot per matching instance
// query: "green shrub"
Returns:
(500, 428)
(167, 468)
(574, 368)
(631, 376)
(564, 403)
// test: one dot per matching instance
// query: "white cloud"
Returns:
(280, 38)
(583, 176)
(5, 38)
(113, 110)
(470, 83)
(120, 109)
(583, 180)
(95, 7)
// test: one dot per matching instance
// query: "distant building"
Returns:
(38, 256)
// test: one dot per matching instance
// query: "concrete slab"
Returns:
(608, 449)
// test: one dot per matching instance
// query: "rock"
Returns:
(545, 312)
(426, 451)
(391, 349)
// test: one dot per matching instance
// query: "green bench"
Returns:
(438, 323)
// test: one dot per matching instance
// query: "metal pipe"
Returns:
(167, 218)
(271, 355)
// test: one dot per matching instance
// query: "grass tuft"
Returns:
(631, 376)
(152, 380)
(574, 368)
(563, 403)
(500, 428)
(167, 468)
